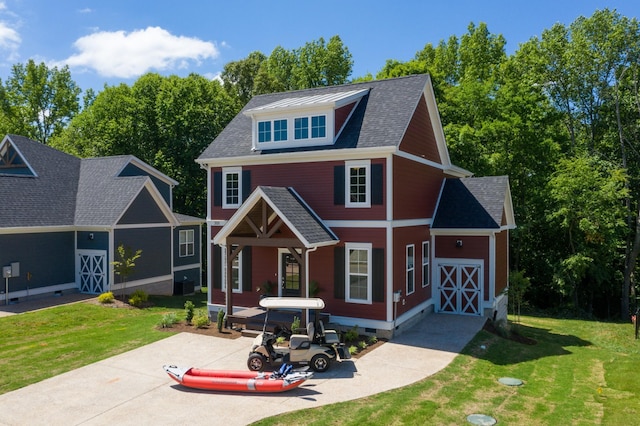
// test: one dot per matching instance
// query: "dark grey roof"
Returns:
(299, 215)
(380, 119)
(46, 200)
(66, 190)
(184, 219)
(472, 203)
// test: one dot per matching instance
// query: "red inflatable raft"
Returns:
(237, 381)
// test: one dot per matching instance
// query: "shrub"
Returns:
(352, 334)
(295, 324)
(168, 320)
(362, 345)
(202, 319)
(353, 350)
(220, 320)
(373, 340)
(189, 307)
(138, 298)
(280, 340)
(106, 297)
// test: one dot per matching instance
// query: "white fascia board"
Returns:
(14, 146)
(149, 169)
(301, 157)
(464, 232)
(160, 202)
(39, 229)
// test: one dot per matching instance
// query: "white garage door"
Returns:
(460, 288)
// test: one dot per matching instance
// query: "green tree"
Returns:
(125, 265)
(38, 101)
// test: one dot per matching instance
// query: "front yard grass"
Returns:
(37, 345)
(578, 373)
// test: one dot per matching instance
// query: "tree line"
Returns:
(560, 116)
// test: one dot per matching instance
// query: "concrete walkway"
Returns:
(132, 388)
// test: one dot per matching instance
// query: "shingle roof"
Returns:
(67, 191)
(380, 119)
(472, 203)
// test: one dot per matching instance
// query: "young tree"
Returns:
(125, 264)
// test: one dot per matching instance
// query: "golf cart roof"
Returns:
(292, 303)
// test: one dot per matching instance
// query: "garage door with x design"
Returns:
(92, 271)
(460, 288)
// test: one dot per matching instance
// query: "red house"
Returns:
(348, 193)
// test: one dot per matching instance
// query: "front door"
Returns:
(289, 275)
(91, 267)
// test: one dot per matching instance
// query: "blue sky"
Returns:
(113, 41)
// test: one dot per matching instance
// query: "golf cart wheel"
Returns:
(256, 362)
(320, 363)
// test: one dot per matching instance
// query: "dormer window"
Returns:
(300, 122)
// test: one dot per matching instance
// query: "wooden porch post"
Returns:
(304, 285)
(231, 255)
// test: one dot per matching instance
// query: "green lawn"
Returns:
(42, 344)
(579, 372)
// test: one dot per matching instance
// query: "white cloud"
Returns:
(9, 40)
(127, 55)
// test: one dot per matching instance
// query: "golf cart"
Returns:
(317, 348)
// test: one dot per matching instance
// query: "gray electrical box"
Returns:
(15, 269)
(6, 272)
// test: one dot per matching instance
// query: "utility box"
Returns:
(15, 269)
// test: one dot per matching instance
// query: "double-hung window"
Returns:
(301, 128)
(186, 243)
(279, 130)
(232, 184)
(411, 270)
(425, 263)
(358, 272)
(358, 184)
(264, 131)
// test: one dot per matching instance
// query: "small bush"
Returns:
(373, 340)
(220, 320)
(295, 324)
(168, 320)
(352, 334)
(202, 320)
(189, 307)
(138, 298)
(353, 350)
(362, 345)
(106, 297)
(280, 340)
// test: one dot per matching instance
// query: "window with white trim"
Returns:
(411, 271)
(186, 243)
(236, 271)
(358, 272)
(232, 187)
(358, 183)
(425, 263)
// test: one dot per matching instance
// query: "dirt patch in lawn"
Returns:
(508, 333)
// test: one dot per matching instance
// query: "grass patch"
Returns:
(578, 373)
(37, 345)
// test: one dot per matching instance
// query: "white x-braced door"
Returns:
(91, 267)
(460, 286)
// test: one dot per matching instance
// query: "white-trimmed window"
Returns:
(358, 183)
(231, 187)
(236, 271)
(186, 243)
(411, 270)
(358, 272)
(425, 263)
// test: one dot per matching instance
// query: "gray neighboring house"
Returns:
(62, 219)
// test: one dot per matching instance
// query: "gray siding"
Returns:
(143, 210)
(188, 260)
(46, 259)
(163, 188)
(194, 275)
(87, 240)
(155, 244)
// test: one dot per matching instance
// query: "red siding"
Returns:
(473, 247)
(401, 238)
(415, 189)
(341, 115)
(419, 139)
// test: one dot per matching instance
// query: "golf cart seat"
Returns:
(298, 339)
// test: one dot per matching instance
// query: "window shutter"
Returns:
(338, 185)
(246, 269)
(338, 271)
(377, 269)
(217, 266)
(246, 184)
(377, 184)
(217, 188)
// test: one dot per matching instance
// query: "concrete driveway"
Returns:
(132, 388)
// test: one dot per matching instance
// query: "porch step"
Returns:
(250, 333)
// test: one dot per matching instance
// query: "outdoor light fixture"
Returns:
(458, 243)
